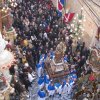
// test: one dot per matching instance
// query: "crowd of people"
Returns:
(39, 28)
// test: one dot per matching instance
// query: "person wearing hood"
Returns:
(41, 83)
(47, 81)
(66, 88)
(51, 90)
(41, 94)
(58, 88)
(39, 69)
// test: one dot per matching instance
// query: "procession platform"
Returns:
(58, 72)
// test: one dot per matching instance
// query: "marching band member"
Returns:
(41, 82)
(41, 95)
(51, 90)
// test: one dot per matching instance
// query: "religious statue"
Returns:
(59, 53)
(56, 67)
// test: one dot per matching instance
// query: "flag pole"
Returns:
(63, 11)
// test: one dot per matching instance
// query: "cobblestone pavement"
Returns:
(33, 94)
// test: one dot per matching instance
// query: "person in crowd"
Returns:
(47, 81)
(39, 69)
(41, 82)
(41, 94)
(58, 88)
(88, 68)
(30, 78)
(12, 70)
(39, 29)
(66, 58)
(9, 45)
(64, 87)
(51, 90)
(69, 88)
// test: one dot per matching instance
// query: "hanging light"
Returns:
(12, 4)
(84, 20)
(80, 27)
(72, 25)
(77, 15)
(71, 30)
(68, 26)
(77, 34)
(67, 38)
(82, 34)
(74, 18)
(80, 21)
(83, 29)
(71, 35)
(79, 38)
(15, 4)
(5, 11)
(3, 8)
(82, 8)
(75, 29)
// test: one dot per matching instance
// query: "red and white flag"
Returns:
(68, 17)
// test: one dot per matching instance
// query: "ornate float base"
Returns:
(56, 71)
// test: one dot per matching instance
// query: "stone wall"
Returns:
(54, 2)
(90, 25)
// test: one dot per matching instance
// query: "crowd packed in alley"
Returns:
(39, 28)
